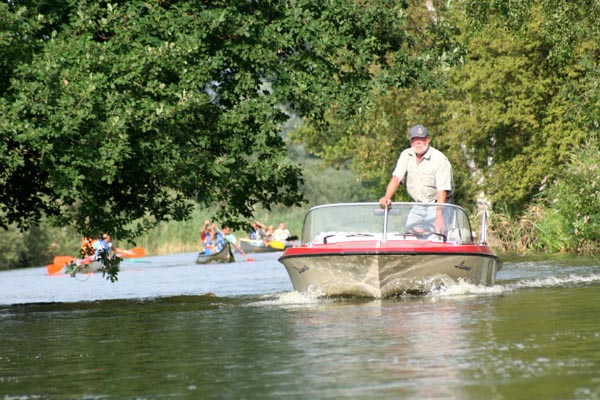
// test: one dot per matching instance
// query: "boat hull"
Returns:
(224, 256)
(386, 274)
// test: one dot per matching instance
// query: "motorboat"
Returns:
(363, 249)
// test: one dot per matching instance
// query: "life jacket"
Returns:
(87, 248)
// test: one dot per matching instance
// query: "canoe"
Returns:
(60, 262)
(224, 256)
(258, 246)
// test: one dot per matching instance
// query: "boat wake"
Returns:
(449, 288)
(287, 299)
(465, 288)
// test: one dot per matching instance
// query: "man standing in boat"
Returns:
(427, 174)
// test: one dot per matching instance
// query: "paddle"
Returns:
(53, 269)
(139, 261)
(63, 260)
(136, 252)
(239, 249)
(60, 262)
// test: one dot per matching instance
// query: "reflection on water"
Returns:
(394, 349)
(533, 335)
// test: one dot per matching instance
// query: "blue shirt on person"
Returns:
(100, 247)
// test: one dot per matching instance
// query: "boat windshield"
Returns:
(401, 221)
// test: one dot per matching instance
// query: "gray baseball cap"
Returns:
(418, 131)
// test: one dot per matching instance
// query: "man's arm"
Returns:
(392, 186)
(440, 198)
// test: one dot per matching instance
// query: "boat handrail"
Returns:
(390, 207)
(371, 217)
(385, 223)
(483, 228)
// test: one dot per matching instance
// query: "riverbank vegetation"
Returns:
(142, 118)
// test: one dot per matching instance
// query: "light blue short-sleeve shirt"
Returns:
(424, 180)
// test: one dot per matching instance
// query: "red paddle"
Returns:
(54, 268)
(58, 264)
(133, 253)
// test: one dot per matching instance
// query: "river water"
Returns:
(170, 329)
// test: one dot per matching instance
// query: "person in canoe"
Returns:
(93, 249)
(230, 237)
(113, 249)
(213, 240)
(269, 234)
(205, 230)
(100, 248)
(87, 247)
(258, 231)
(427, 174)
(281, 234)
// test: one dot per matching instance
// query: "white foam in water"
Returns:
(461, 288)
(554, 281)
(288, 299)
(449, 288)
(453, 288)
(465, 288)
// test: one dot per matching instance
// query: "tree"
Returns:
(404, 56)
(516, 86)
(407, 86)
(572, 221)
(131, 111)
(511, 109)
